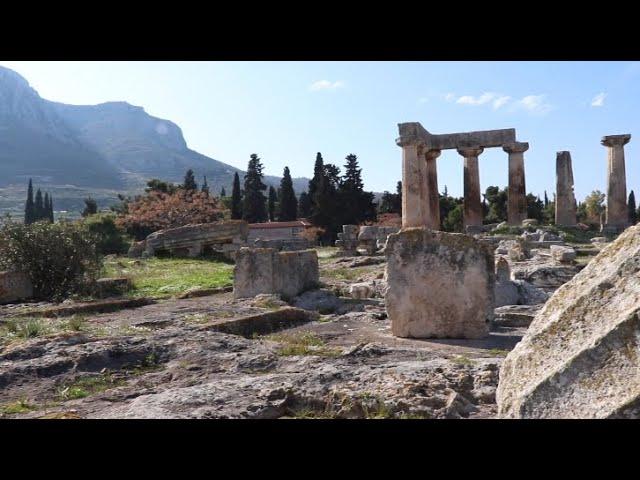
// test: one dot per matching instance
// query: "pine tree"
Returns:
(190, 181)
(223, 193)
(236, 199)
(304, 205)
(39, 206)
(51, 217)
(273, 198)
(90, 207)
(30, 208)
(205, 186)
(356, 204)
(288, 200)
(631, 205)
(254, 205)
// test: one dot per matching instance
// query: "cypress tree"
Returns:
(236, 199)
(190, 181)
(631, 205)
(205, 186)
(304, 205)
(318, 171)
(29, 209)
(254, 205)
(357, 205)
(45, 210)
(223, 193)
(288, 200)
(51, 217)
(39, 206)
(546, 199)
(90, 208)
(273, 198)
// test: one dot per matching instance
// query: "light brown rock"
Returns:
(15, 286)
(439, 284)
(580, 356)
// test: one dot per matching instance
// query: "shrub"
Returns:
(109, 238)
(59, 258)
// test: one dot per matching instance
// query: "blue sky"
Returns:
(288, 111)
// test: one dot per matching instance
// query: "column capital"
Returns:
(432, 154)
(470, 151)
(615, 140)
(516, 147)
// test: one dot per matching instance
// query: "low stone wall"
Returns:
(14, 286)
(265, 270)
(287, 245)
(440, 285)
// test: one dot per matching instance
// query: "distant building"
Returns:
(278, 230)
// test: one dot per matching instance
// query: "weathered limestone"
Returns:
(368, 238)
(617, 215)
(414, 132)
(348, 240)
(439, 284)
(579, 358)
(265, 270)
(563, 254)
(503, 271)
(472, 212)
(431, 192)
(283, 244)
(15, 286)
(192, 240)
(565, 198)
(517, 196)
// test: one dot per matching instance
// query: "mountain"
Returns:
(113, 145)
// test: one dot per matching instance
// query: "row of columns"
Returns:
(420, 196)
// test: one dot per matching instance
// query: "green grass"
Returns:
(302, 343)
(497, 352)
(345, 273)
(86, 386)
(19, 406)
(20, 329)
(165, 277)
(462, 360)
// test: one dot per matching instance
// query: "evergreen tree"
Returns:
(205, 186)
(236, 199)
(90, 207)
(356, 204)
(46, 207)
(39, 206)
(546, 199)
(535, 208)
(223, 193)
(190, 181)
(318, 171)
(288, 200)
(631, 205)
(497, 201)
(273, 198)
(304, 205)
(30, 208)
(254, 205)
(398, 207)
(51, 217)
(324, 207)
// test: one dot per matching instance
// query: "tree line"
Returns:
(39, 208)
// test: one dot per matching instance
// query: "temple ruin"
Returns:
(565, 198)
(617, 215)
(420, 149)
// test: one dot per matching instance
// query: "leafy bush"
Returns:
(109, 238)
(59, 258)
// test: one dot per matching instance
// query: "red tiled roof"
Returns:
(296, 223)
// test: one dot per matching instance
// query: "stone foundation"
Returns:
(265, 270)
(440, 285)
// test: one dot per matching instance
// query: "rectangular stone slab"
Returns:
(413, 131)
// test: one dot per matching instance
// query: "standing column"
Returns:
(414, 200)
(432, 220)
(517, 196)
(617, 216)
(565, 199)
(472, 213)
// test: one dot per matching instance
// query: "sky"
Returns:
(287, 111)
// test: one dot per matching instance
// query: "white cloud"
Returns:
(496, 100)
(501, 101)
(598, 100)
(534, 104)
(326, 85)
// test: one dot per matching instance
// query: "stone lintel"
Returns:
(413, 132)
(615, 140)
(516, 147)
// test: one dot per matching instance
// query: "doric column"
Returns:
(517, 196)
(432, 220)
(414, 199)
(565, 199)
(472, 212)
(617, 218)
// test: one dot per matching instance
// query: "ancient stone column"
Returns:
(617, 216)
(565, 199)
(472, 208)
(413, 185)
(431, 188)
(517, 196)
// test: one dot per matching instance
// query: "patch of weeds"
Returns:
(60, 415)
(19, 406)
(413, 416)
(149, 363)
(302, 343)
(345, 273)
(23, 329)
(268, 303)
(86, 386)
(462, 360)
(324, 318)
(498, 352)
(309, 413)
(196, 318)
(76, 323)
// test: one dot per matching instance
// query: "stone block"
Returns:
(440, 285)
(15, 286)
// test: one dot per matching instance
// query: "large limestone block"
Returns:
(440, 285)
(580, 358)
(265, 270)
(15, 286)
